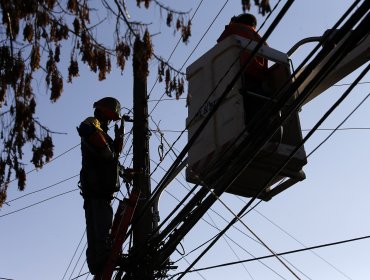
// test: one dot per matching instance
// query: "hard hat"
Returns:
(109, 107)
(247, 19)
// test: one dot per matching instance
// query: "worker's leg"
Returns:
(99, 216)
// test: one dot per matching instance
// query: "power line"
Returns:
(353, 111)
(50, 161)
(48, 187)
(334, 129)
(207, 118)
(290, 235)
(281, 254)
(319, 123)
(74, 254)
(178, 42)
(34, 204)
(348, 84)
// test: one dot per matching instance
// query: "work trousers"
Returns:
(99, 215)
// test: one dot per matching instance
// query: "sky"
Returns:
(331, 205)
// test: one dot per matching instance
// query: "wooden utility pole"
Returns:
(141, 162)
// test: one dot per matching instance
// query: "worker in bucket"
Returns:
(256, 73)
(244, 25)
(99, 178)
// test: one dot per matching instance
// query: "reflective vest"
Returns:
(258, 67)
(100, 168)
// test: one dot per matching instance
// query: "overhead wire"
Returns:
(45, 188)
(48, 162)
(359, 78)
(215, 212)
(264, 39)
(282, 254)
(42, 189)
(173, 51)
(312, 251)
(340, 129)
(78, 260)
(236, 243)
(197, 45)
(189, 193)
(318, 124)
(74, 254)
(205, 121)
(339, 125)
(299, 100)
(231, 248)
(37, 203)
(204, 243)
(333, 131)
(336, 129)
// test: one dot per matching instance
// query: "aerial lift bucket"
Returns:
(220, 137)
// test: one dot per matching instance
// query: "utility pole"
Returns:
(141, 162)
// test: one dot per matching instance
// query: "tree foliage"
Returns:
(32, 34)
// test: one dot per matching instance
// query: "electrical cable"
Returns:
(231, 248)
(255, 235)
(358, 33)
(283, 253)
(34, 204)
(83, 265)
(206, 119)
(78, 260)
(204, 34)
(231, 84)
(337, 128)
(318, 124)
(50, 161)
(198, 271)
(74, 254)
(39, 190)
(236, 243)
(45, 188)
(173, 51)
(219, 215)
(340, 129)
(313, 252)
(346, 84)
(86, 273)
(246, 64)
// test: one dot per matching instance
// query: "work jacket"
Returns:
(258, 66)
(100, 166)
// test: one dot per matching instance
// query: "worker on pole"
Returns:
(99, 178)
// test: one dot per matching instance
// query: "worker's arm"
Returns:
(96, 141)
(119, 132)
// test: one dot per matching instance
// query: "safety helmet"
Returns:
(247, 19)
(109, 107)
